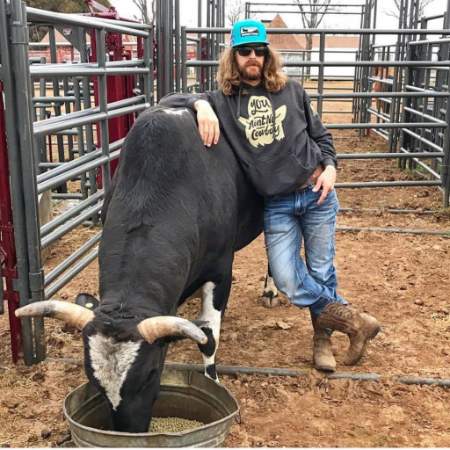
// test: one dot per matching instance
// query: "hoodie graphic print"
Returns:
(263, 125)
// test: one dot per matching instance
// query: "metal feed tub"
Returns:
(185, 394)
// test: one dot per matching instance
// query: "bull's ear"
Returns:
(87, 301)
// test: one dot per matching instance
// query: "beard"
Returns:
(251, 71)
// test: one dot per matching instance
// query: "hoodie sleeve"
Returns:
(177, 100)
(319, 133)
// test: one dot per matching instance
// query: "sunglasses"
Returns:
(246, 51)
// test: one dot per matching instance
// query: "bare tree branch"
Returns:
(144, 10)
(396, 11)
(311, 18)
(235, 10)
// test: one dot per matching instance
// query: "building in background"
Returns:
(293, 49)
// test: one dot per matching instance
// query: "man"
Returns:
(289, 156)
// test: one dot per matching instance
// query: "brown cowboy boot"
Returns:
(323, 357)
(359, 327)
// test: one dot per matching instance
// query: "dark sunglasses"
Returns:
(246, 51)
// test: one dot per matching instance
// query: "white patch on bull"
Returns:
(213, 317)
(176, 112)
(270, 293)
(270, 290)
(111, 361)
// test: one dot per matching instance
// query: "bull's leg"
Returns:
(214, 300)
(270, 292)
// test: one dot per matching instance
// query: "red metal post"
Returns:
(7, 246)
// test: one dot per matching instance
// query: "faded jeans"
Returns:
(289, 221)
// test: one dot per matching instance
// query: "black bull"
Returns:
(172, 221)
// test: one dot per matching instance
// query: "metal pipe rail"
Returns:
(70, 225)
(48, 17)
(437, 65)
(62, 267)
(77, 70)
(122, 23)
(359, 31)
(72, 90)
(66, 166)
(429, 42)
(287, 372)
(427, 169)
(387, 184)
(305, 4)
(438, 154)
(348, 126)
(380, 115)
(422, 139)
(87, 111)
(422, 93)
(70, 274)
(60, 99)
(329, 12)
(424, 115)
(44, 127)
(69, 214)
(62, 167)
(68, 175)
(121, 63)
(375, 46)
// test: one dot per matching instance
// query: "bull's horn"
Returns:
(160, 326)
(74, 315)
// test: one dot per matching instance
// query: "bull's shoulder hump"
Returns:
(176, 111)
(162, 116)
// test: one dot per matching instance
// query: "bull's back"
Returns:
(172, 192)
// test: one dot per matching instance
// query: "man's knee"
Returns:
(325, 275)
(286, 282)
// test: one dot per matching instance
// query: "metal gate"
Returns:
(55, 131)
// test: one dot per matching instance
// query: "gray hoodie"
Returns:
(277, 137)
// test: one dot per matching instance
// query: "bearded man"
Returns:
(289, 156)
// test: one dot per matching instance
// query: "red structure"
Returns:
(7, 247)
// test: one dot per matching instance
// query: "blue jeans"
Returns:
(290, 219)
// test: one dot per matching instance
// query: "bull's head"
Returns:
(126, 369)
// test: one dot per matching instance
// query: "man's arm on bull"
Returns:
(326, 178)
(208, 123)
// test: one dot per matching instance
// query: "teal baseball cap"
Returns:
(248, 31)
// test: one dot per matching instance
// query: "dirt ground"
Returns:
(402, 279)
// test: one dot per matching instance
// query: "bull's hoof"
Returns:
(270, 301)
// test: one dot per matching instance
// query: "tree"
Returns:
(37, 32)
(396, 11)
(235, 11)
(144, 10)
(312, 13)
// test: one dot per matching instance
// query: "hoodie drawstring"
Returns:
(239, 103)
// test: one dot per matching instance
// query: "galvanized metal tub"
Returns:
(185, 394)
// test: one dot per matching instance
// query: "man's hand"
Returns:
(326, 181)
(208, 123)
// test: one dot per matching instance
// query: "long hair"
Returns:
(228, 74)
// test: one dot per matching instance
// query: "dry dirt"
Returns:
(402, 279)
